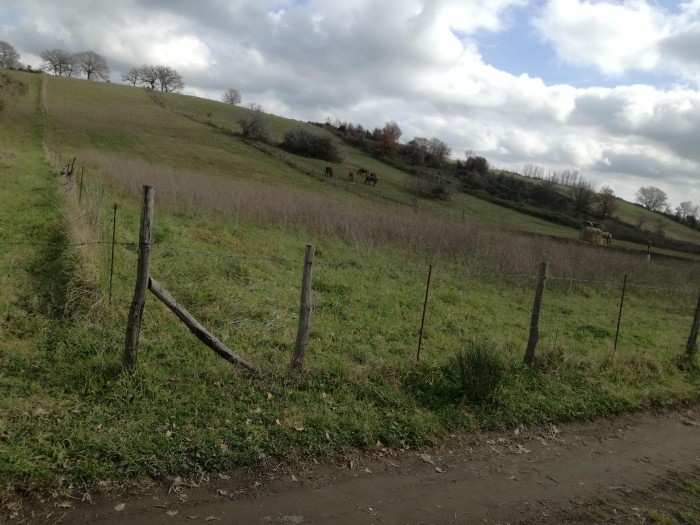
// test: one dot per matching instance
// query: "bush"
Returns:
(254, 127)
(476, 374)
(307, 144)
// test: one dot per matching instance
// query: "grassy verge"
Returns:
(675, 499)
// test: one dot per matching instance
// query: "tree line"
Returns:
(64, 63)
(162, 78)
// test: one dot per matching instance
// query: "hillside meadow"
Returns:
(230, 228)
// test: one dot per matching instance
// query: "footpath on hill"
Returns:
(547, 474)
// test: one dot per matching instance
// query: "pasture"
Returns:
(230, 228)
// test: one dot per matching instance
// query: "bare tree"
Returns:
(133, 76)
(254, 127)
(607, 202)
(254, 106)
(9, 57)
(583, 195)
(92, 64)
(652, 198)
(169, 80)
(687, 209)
(438, 151)
(148, 76)
(58, 62)
(231, 96)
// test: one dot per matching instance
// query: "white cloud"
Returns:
(612, 36)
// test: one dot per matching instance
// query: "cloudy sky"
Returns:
(608, 87)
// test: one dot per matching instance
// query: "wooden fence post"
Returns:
(133, 326)
(111, 265)
(305, 310)
(535, 319)
(619, 315)
(692, 346)
(425, 306)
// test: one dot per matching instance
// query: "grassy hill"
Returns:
(231, 224)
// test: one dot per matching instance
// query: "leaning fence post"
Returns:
(305, 310)
(619, 315)
(133, 326)
(535, 319)
(692, 346)
(422, 321)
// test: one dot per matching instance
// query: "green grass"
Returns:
(69, 416)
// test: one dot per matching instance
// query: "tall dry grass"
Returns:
(470, 247)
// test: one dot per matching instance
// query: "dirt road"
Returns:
(526, 475)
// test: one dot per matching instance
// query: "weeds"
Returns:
(476, 374)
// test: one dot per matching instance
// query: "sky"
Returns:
(607, 87)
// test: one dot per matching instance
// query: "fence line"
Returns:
(351, 265)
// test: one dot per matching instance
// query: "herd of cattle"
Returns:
(593, 233)
(370, 178)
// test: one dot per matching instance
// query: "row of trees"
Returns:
(162, 78)
(63, 63)
(566, 177)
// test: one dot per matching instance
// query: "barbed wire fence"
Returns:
(435, 272)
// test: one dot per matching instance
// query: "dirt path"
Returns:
(522, 476)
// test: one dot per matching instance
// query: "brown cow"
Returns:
(351, 176)
(608, 238)
(329, 172)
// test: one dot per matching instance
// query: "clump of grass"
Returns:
(476, 373)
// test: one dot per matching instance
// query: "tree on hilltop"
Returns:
(163, 78)
(652, 198)
(169, 80)
(133, 76)
(59, 62)
(92, 64)
(9, 57)
(231, 96)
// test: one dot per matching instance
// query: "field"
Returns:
(230, 229)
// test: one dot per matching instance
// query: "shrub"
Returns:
(254, 127)
(476, 373)
(307, 144)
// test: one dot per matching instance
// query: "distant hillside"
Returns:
(187, 132)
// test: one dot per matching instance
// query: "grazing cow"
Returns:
(371, 178)
(592, 235)
(351, 176)
(608, 238)
(329, 172)
(362, 171)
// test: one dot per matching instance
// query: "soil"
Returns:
(533, 475)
